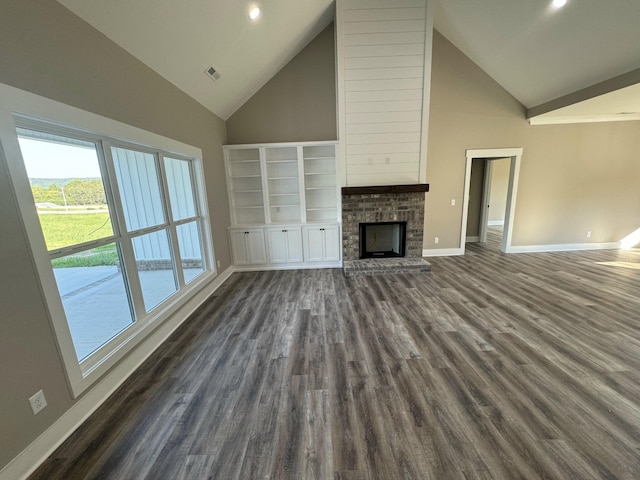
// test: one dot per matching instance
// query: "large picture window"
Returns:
(122, 228)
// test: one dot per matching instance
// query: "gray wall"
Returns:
(573, 178)
(297, 104)
(49, 51)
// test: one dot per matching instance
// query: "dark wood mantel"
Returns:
(381, 189)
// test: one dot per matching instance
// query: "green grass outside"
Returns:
(63, 230)
(106, 255)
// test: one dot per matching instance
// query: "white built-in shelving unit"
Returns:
(284, 198)
(283, 184)
(320, 189)
(245, 186)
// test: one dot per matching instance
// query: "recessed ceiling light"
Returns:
(254, 13)
(558, 3)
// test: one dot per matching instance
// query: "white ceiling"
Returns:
(536, 53)
(539, 54)
(180, 39)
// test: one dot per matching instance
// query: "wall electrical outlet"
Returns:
(436, 240)
(589, 234)
(38, 402)
(453, 202)
(218, 263)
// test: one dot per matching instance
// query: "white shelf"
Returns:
(290, 183)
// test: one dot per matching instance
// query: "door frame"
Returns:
(515, 154)
(486, 195)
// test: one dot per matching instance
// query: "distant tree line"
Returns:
(76, 192)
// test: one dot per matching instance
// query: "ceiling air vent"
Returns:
(213, 73)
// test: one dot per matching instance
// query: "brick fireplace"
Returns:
(391, 203)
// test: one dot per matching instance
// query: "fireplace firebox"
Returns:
(383, 239)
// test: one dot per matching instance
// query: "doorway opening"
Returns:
(491, 179)
(488, 190)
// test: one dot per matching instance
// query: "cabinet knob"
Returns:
(284, 231)
(246, 233)
(322, 229)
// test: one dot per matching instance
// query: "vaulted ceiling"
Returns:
(536, 52)
(181, 39)
(540, 54)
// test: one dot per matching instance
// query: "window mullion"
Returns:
(164, 188)
(144, 231)
(196, 189)
(62, 252)
(182, 221)
(126, 246)
(173, 237)
(177, 257)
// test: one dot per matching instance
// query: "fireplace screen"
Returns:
(384, 239)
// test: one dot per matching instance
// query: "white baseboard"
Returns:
(286, 266)
(442, 252)
(37, 452)
(564, 247)
(493, 223)
(474, 239)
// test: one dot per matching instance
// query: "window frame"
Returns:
(33, 112)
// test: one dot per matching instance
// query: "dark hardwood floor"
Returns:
(491, 366)
(493, 243)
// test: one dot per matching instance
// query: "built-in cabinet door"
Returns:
(285, 244)
(248, 247)
(322, 243)
(294, 244)
(256, 247)
(314, 240)
(332, 244)
(239, 247)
